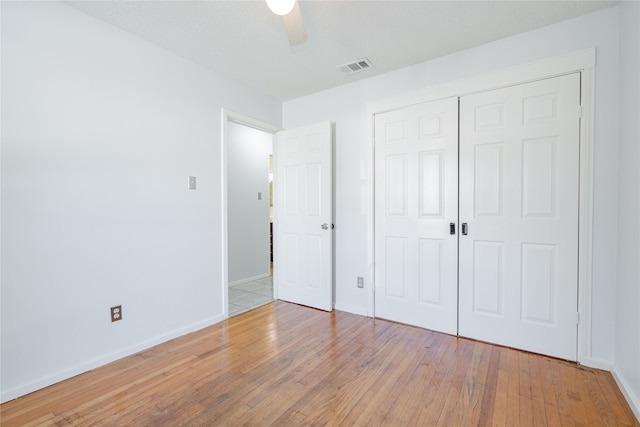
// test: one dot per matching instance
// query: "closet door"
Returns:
(519, 156)
(416, 187)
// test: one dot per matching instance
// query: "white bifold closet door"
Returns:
(519, 171)
(509, 274)
(416, 199)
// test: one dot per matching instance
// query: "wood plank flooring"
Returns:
(287, 365)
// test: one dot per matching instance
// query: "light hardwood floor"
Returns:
(287, 365)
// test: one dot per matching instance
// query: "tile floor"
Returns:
(249, 295)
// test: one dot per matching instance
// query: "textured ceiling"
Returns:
(244, 40)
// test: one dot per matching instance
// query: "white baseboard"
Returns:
(634, 401)
(596, 364)
(96, 363)
(249, 279)
(362, 311)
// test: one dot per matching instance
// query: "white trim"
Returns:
(96, 363)
(351, 309)
(583, 62)
(596, 364)
(585, 214)
(633, 401)
(249, 279)
(624, 387)
(227, 116)
(250, 121)
(370, 280)
(525, 73)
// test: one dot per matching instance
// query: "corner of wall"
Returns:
(626, 363)
(632, 399)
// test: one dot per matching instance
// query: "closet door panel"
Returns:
(416, 185)
(519, 158)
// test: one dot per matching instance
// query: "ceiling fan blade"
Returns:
(295, 26)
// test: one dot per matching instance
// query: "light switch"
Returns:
(259, 195)
(192, 183)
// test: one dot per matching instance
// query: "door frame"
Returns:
(582, 62)
(227, 116)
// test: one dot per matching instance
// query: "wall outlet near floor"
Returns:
(116, 313)
(360, 282)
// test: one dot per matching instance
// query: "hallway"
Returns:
(249, 295)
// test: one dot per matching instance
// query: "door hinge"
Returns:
(577, 317)
(579, 111)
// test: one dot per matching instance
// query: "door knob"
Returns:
(325, 226)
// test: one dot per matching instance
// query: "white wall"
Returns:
(346, 106)
(627, 350)
(100, 131)
(248, 152)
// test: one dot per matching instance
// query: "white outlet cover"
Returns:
(192, 183)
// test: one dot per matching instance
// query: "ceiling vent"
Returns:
(356, 66)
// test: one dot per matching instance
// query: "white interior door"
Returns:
(519, 158)
(303, 269)
(416, 200)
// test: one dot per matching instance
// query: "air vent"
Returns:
(356, 66)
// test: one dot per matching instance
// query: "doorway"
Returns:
(248, 214)
(303, 190)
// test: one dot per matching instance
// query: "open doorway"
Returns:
(249, 217)
(302, 205)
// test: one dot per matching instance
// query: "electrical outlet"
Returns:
(360, 282)
(116, 313)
